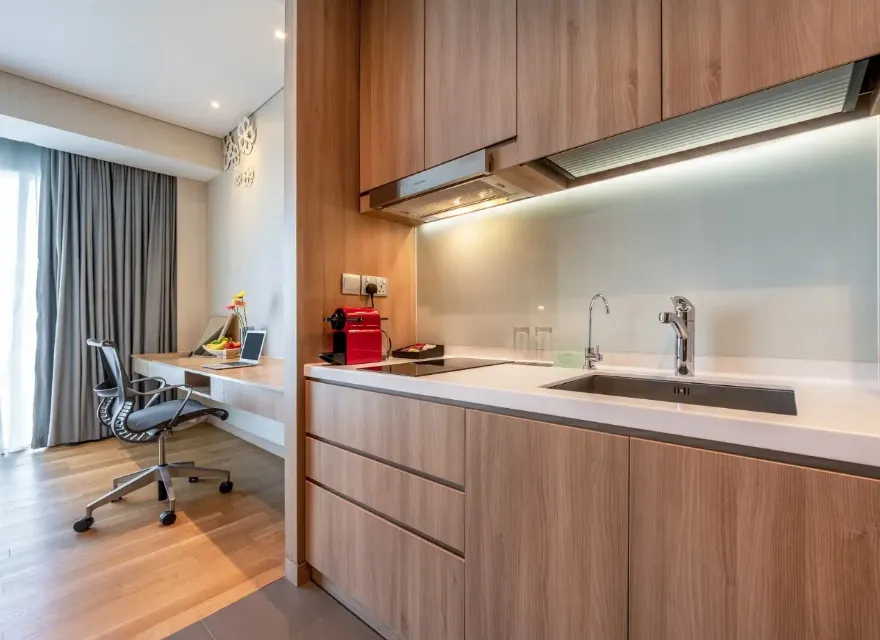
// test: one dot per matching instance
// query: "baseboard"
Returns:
(298, 574)
(247, 436)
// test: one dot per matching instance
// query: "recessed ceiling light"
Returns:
(215, 104)
(280, 34)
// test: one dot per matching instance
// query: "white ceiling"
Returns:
(163, 58)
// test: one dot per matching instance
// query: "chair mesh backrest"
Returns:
(113, 410)
(113, 369)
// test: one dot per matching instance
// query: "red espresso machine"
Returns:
(357, 336)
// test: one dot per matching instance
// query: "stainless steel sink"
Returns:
(779, 401)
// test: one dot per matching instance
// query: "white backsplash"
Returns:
(776, 245)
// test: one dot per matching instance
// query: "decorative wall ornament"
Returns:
(247, 136)
(231, 154)
(244, 177)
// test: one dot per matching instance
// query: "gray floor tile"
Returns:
(339, 625)
(281, 611)
(196, 631)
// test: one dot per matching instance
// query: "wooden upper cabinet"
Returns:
(715, 50)
(470, 76)
(733, 548)
(545, 531)
(392, 100)
(586, 70)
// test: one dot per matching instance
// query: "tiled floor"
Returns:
(281, 611)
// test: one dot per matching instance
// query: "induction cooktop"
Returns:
(418, 368)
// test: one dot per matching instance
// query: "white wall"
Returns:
(776, 244)
(192, 261)
(245, 231)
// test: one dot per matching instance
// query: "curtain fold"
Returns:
(19, 189)
(107, 270)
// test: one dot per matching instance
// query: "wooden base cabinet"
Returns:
(401, 584)
(545, 531)
(726, 547)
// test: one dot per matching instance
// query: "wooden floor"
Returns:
(130, 577)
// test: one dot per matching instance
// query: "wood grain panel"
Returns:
(412, 588)
(424, 436)
(733, 548)
(322, 213)
(470, 76)
(392, 90)
(715, 50)
(546, 531)
(430, 508)
(586, 70)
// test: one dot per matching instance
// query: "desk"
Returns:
(246, 392)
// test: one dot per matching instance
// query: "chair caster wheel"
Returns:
(167, 518)
(226, 487)
(83, 524)
(193, 479)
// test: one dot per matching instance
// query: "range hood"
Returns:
(827, 93)
(454, 188)
(468, 184)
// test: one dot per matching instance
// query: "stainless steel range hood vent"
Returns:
(826, 93)
(454, 188)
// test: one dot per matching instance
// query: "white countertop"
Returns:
(837, 421)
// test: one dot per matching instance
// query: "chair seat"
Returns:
(158, 416)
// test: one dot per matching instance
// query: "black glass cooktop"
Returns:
(418, 368)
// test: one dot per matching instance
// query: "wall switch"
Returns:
(351, 284)
(380, 282)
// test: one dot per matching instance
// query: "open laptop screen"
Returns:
(253, 346)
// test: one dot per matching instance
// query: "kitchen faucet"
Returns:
(682, 321)
(591, 353)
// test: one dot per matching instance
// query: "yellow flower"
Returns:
(239, 295)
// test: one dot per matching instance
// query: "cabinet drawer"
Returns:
(259, 400)
(432, 509)
(405, 586)
(422, 436)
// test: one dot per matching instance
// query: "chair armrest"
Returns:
(161, 381)
(155, 394)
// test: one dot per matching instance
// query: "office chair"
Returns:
(153, 423)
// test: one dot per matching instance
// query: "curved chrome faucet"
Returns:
(682, 322)
(591, 353)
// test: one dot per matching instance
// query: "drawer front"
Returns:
(263, 402)
(171, 374)
(432, 509)
(140, 367)
(422, 436)
(409, 587)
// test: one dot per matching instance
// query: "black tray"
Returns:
(436, 352)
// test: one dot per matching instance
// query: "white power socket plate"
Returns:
(381, 283)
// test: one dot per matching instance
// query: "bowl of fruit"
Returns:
(224, 347)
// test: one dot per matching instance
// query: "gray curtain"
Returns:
(107, 270)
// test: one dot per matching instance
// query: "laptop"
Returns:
(250, 353)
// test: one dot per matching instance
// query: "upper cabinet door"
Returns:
(392, 90)
(470, 76)
(587, 69)
(715, 50)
